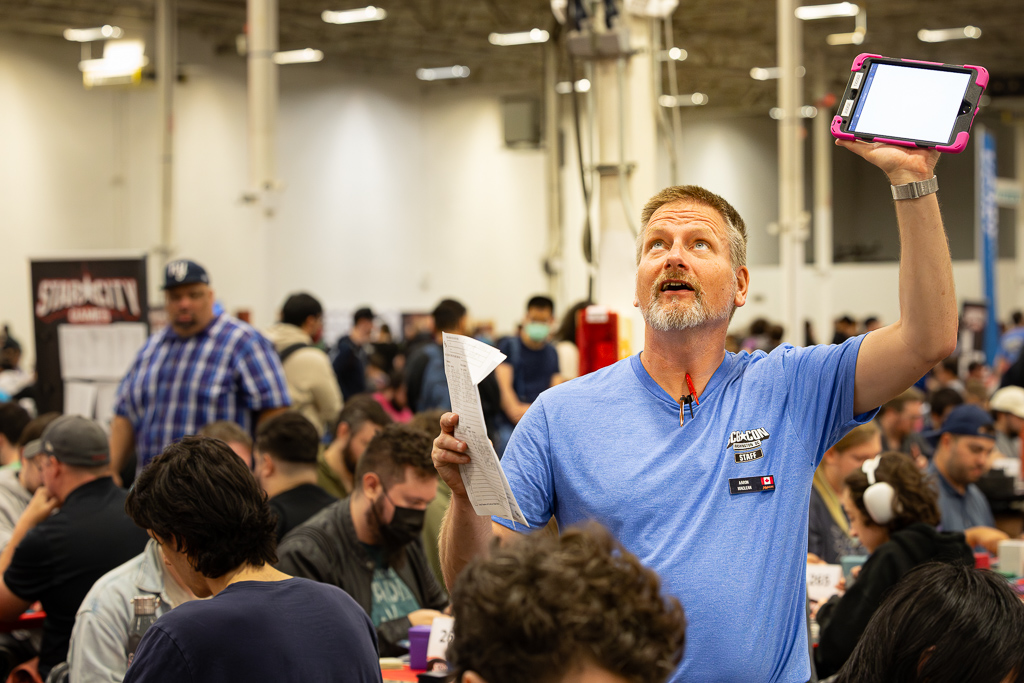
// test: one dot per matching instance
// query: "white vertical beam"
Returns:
(262, 44)
(822, 171)
(791, 172)
(555, 261)
(1018, 170)
(166, 76)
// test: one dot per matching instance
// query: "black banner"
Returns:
(81, 292)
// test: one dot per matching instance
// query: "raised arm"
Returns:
(896, 356)
(464, 534)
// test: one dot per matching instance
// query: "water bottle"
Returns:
(145, 615)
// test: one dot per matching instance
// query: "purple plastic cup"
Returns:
(419, 636)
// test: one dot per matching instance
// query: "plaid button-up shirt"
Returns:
(176, 385)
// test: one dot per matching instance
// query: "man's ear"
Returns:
(265, 465)
(472, 677)
(342, 432)
(371, 484)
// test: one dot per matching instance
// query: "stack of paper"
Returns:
(466, 362)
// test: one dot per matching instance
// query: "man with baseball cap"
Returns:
(962, 448)
(201, 368)
(1007, 409)
(55, 558)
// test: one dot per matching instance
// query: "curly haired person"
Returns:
(564, 610)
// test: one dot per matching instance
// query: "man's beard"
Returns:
(393, 555)
(348, 459)
(667, 316)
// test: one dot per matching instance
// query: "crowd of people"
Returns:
(295, 508)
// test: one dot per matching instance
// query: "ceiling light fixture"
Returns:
(522, 38)
(944, 34)
(121, 64)
(354, 16)
(298, 56)
(839, 9)
(565, 87)
(88, 35)
(442, 73)
(696, 99)
(772, 72)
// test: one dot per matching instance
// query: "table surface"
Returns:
(27, 620)
(403, 674)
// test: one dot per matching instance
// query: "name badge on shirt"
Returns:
(752, 484)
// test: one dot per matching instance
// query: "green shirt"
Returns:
(392, 599)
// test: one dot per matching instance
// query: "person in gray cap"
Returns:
(56, 557)
(201, 368)
(962, 448)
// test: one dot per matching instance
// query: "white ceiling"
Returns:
(724, 38)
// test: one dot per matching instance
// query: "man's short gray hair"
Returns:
(736, 229)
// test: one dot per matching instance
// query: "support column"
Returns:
(627, 150)
(823, 147)
(1018, 171)
(166, 77)
(791, 170)
(262, 38)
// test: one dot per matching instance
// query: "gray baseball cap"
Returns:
(32, 449)
(76, 441)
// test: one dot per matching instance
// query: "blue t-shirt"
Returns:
(532, 369)
(255, 631)
(608, 447)
(961, 511)
(1010, 345)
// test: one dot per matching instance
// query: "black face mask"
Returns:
(405, 526)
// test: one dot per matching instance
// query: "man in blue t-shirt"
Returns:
(211, 520)
(700, 461)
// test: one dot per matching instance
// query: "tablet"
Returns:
(910, 103)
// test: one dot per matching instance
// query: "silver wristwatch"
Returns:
(916, 189)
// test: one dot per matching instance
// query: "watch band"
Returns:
(915, 189)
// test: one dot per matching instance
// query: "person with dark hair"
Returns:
(312, 384)
(872, 323)
(55, 559)
(351, 354)
(900, 421)
(369, 544)
(556, 609)
(359, 421)
(211, 520)
(426, 383)
(893, 511)
(530, 366)
(1010, 343)
(237, 439)
(941, 402)
(17, 484)
(285, 453)
(203, 367)
(565, 341)
(942, 623)
(13, 419)
(963, 447)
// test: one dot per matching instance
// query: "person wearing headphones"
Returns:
(893, 511)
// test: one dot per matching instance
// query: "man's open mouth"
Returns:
(675, 286)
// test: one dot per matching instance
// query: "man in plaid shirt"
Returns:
(201, 368)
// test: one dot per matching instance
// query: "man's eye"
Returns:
(701, 244)
(657, 243)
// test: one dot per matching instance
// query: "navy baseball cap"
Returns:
(965, 420)
(184, 272)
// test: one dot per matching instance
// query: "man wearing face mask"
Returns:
(530, 367)
(369, 544)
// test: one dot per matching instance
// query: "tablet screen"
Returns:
(908, 102)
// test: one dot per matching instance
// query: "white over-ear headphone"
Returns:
(879, 497)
